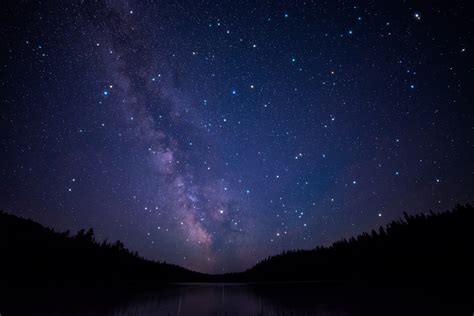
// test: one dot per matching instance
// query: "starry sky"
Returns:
(212, 134)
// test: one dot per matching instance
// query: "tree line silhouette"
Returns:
(33, 255)
(431, 248)
(424, 248)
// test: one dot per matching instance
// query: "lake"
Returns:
(244, 299)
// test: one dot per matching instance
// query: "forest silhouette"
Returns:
(428, 248)
(36, 256)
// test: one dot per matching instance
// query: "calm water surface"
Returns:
(248, 299)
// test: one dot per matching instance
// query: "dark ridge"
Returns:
(35, 256)
(431, 248)
(424, 249)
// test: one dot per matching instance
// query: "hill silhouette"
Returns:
(431, 248)
(36, 256)
(418, 249)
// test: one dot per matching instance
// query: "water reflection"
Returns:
(288, 299)
(239, 299)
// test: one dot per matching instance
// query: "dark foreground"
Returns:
(240, 299)
(423, 250)
(419, 265)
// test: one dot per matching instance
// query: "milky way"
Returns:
(213, 134)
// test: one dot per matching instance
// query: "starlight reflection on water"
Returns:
(295, 299)
(236, 299)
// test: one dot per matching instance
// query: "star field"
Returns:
(213, 134)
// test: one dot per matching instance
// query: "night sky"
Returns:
(212, 134)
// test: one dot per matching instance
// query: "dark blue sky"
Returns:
(213, 134)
